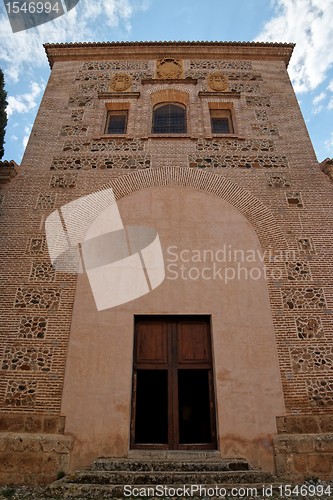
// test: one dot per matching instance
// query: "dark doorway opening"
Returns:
(151, 423)
(173, 394)
(193, 405)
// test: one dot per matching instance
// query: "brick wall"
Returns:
(269, 156)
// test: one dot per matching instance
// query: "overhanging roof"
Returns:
(91, 51)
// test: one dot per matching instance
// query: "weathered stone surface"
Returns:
(320, 464)
(301, 455)
(33, 458)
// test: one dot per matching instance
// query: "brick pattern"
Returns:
(289, 207)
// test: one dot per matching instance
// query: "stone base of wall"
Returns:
(33, 459)
(304, 447)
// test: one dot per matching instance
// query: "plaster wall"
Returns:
(98, 381)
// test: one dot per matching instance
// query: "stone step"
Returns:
(248, 491)
(109, 464)
(168, 477)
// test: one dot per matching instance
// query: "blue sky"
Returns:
(308, 23)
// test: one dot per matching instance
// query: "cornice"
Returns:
(91, 51)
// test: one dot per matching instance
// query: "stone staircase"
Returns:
(186, 475)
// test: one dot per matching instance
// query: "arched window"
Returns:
(169, 119)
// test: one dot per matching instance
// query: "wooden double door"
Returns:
(173, 391)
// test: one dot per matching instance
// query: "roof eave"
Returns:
(123, 50)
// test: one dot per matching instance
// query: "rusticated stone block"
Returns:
(33, 458)
(324, 443)
(319, 463)
(326, 423)
(11, 423)
(300, 463)
(282, 445)
(298, 456)
(307, 424)
(284, 465)
(33, 424)
(51, 425)
(302, 443)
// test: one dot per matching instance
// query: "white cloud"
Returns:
(319, 98)
(308, 23)
(330, 86)
(330, 104)
(316, 102)
(27, 131)
(25, 102)
(317, 110)
(329, 145)
(19, 51)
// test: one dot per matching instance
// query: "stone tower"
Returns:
(166, 262)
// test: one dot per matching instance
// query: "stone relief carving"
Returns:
(218, 81)
(120, 82)
(169, 68)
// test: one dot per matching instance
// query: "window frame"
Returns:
(223, 114)
(116, 112)
(169, 132)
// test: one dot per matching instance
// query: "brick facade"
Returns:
(266, 169)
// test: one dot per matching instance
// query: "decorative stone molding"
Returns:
(309, 328)
(101, 162)
(303, 298)
(218, 81)
(320, 392)
(236, 145)
(8, 171)
(265, 129)
(27, 359)
(45, 201)
(120, 82)
(42, 272)
(36, 245)
(123, 145)
(68, 130)
(294, 199)
(278, 181)
(233, 65)
(305, 245)
(115, 65)
(169, 68)
(327, 167)
(258, 101)
(21, 393)
(233, 161)
(63, 180)
(37, 298)
(32, 327)
(311, 358)
(298, 271)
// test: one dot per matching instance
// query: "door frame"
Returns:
(173, 411)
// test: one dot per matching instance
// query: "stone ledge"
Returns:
(304, 424)
(27, 422)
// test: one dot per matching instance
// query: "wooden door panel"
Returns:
(172, 358)
(193, 343)
(151, 343)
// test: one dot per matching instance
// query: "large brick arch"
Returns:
(258, 215)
